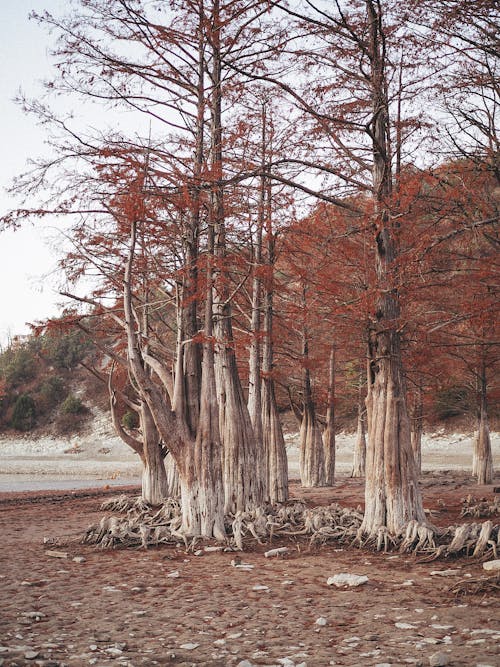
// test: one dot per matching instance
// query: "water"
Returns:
(28, 482)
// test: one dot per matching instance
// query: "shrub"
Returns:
(18, 366)
(130, 420)
(72, 405)
(452, 402)
(51, 392)
(65, 350)
(24, 413)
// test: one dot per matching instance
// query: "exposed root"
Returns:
(144, 525)
(482, 585)
(480, 508)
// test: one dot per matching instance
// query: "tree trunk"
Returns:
(243, 487)
(417, 430)
(312, 462)
(359, 457)
(483, 461)
(329, 432)
(392, 495)
(155, 487)
(273, 440)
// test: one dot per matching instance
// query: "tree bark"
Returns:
(329, 432)
(482, 457)
(312, 462)
(417, 431)
(243, 488)
(392, 495)
(359, 457)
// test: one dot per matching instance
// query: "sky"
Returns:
(28, 257)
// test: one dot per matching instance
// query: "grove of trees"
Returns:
(286, 203)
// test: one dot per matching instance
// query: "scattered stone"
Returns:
(113, 650)
(344, 579)
(234, 635)
(491, 565)
(408, 582)
(31, 655)
(57, 554)
(245, 663)
(33, 615)
(93, 647)
(199, 552)
(212, 549)
(439, 660)
(436, 626)
(321, 621)
(174, 575)
(220, 642)
(276, 552)
(444, 573)
(260, 587)
(286, 662)
(189, 646)
(79, 559)
(406, 626)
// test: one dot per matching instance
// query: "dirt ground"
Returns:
(165, 607)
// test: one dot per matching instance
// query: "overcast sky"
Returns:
(27, 257)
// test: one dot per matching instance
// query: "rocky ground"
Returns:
(67, 603)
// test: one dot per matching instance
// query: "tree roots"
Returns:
(142, 525)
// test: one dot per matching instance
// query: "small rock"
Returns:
(220, 642)
(276, 552)
(444, 573)
(245, 663)
(438, 660)
(345, 579)
(235, 635)
(31, 655)
(491, 565)
(259, 587)
(212, 549)
(408, 582)
(321, 621)
(199, 552)
(189, 646)
(287, 582)
(79, 559)
(112, 650)
(57, 554)
(174, 575)
(405, 626)
(93, 647)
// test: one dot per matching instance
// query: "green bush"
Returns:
(130, 420)
(24, 413)
(452, 402)
(72, 405)
(51, 392)
(65, 350)
(17, 366)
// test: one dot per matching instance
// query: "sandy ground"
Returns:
(165, 607)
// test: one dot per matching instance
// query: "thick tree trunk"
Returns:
(155, 487)
(243, 487)
(312, 463)
(329, 432)
(392, 495)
